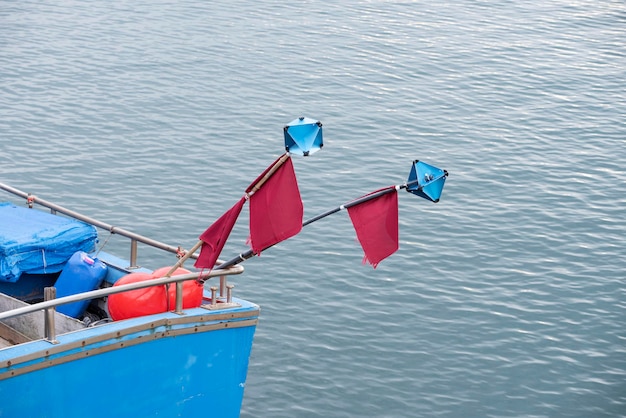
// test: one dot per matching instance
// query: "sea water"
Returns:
(505, 299)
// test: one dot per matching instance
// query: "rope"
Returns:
(104, 243)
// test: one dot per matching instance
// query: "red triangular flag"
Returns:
(216, 235)
(376, 224)
(276, 209)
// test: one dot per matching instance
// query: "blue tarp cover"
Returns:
(33, 241)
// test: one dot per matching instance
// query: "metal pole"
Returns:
(133, 254)
(213, 296)
(112, 229)
(229, 297)
(179, 298)
(222, 286)
(50, 293)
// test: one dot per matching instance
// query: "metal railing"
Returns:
(51, 302)
(49, 306)
(31, 199)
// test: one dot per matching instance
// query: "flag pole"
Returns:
(256, 187)
(370, 197)
(250, 253)
(269, 173)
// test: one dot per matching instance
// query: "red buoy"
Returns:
(152, 300)
(192, 289)
(138, 302)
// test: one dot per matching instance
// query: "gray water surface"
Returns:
(505, 299)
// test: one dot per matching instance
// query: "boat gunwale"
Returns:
(123, 337)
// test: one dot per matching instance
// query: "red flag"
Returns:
(216, 235)
(376, 224)
(276, 208)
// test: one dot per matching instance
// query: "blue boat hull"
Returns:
(165, 365)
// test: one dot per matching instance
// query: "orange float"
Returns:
(152, 300)
(192, 289)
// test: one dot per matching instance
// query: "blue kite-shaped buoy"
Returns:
(426, 181)
(303, 136)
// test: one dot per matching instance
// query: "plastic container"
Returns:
(80, 274)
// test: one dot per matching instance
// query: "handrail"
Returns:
(50, 303)
(113, 229)
(117, 289)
